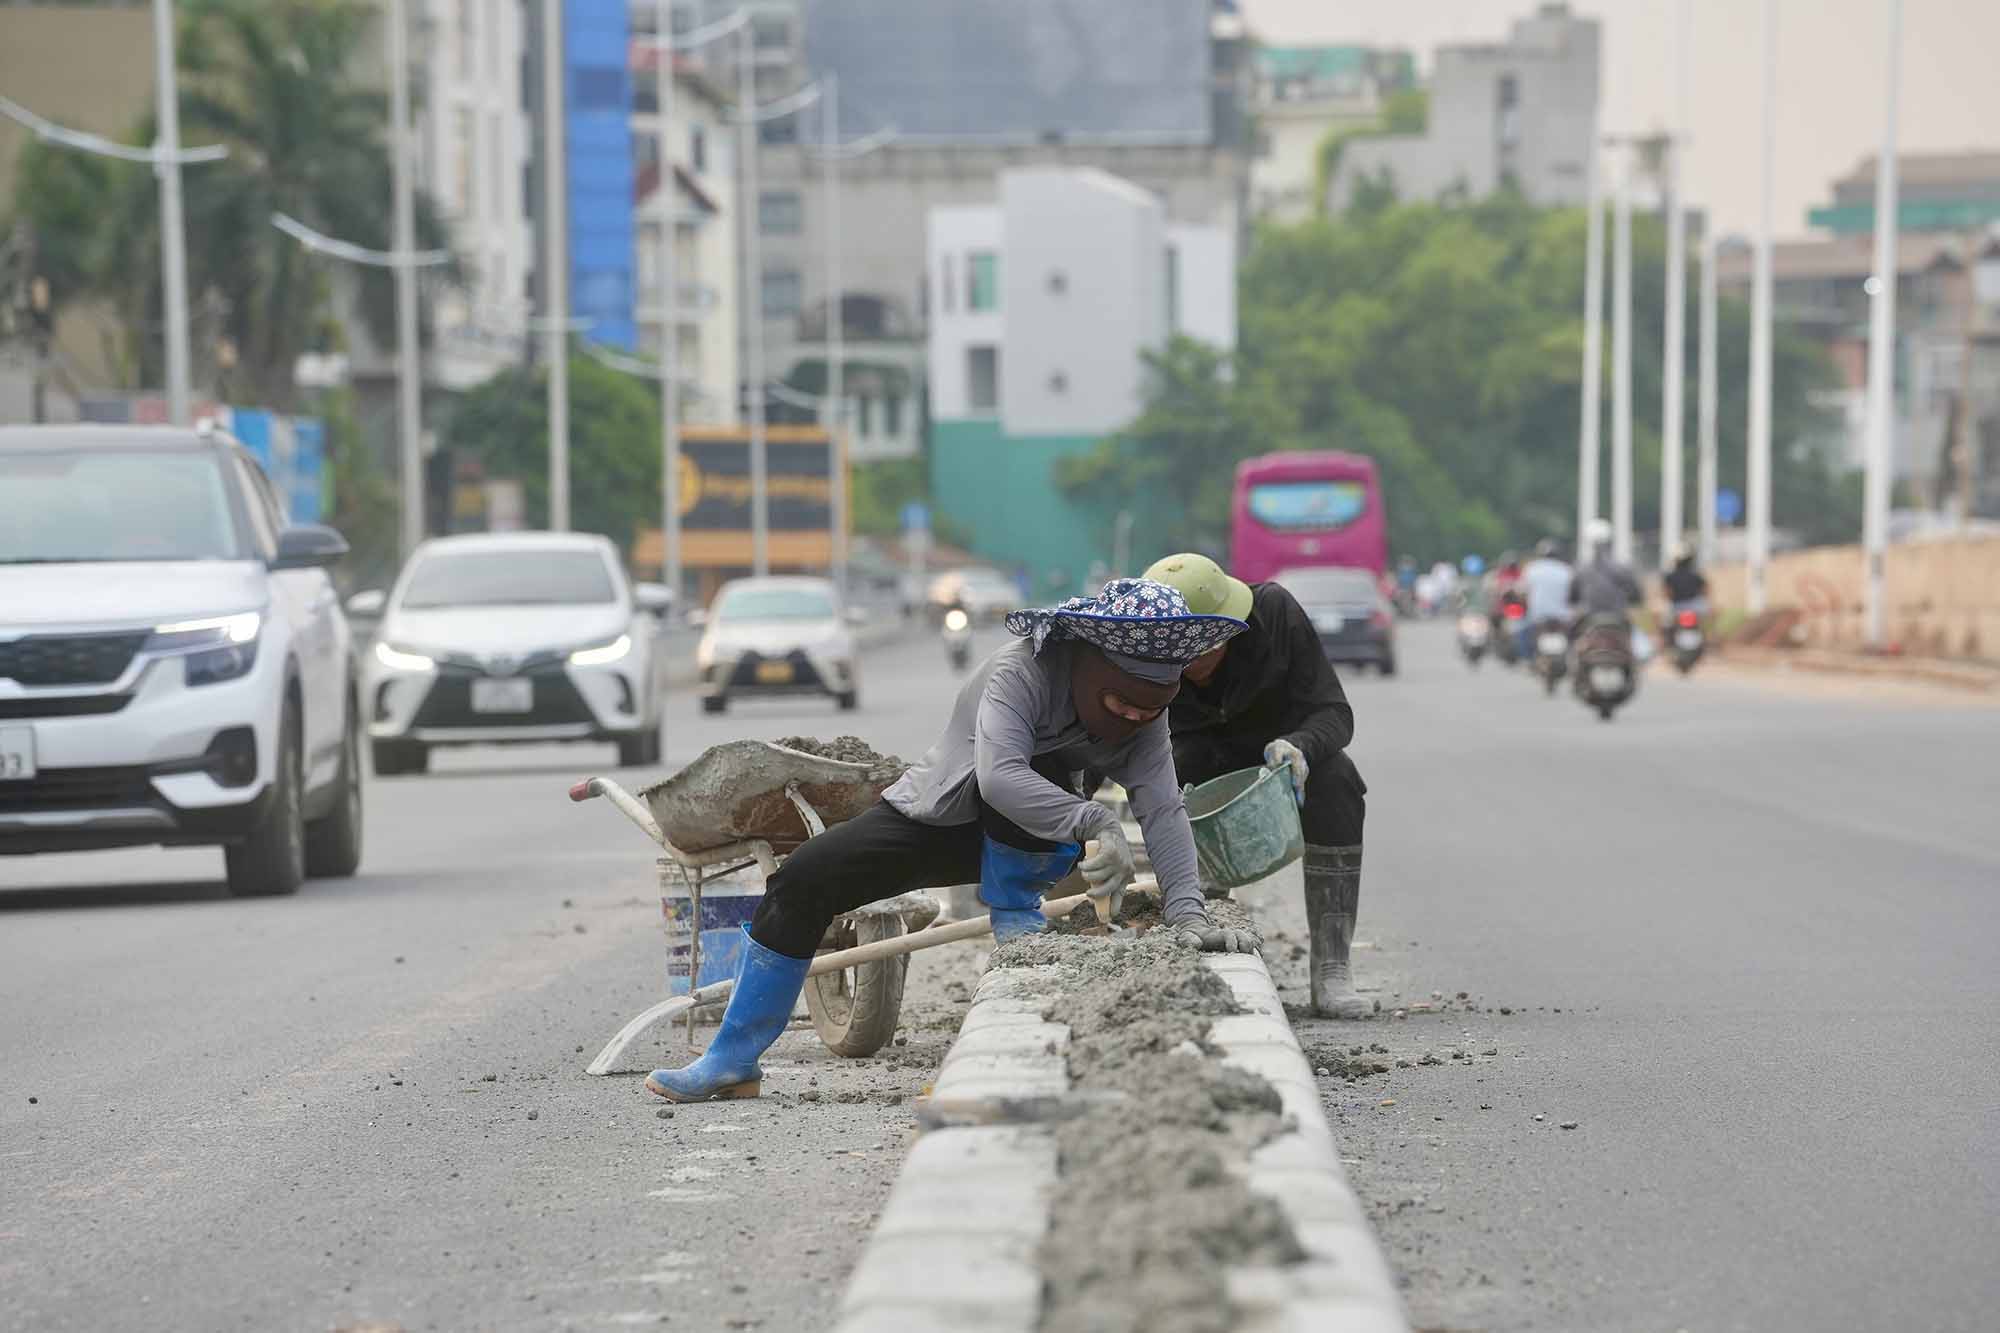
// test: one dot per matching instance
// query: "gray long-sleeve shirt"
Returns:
(1017, 707)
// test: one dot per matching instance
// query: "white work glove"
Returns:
(1281, 753)
(1198, 932)
(1111, 867)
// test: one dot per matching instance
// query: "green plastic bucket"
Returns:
(1246, 826)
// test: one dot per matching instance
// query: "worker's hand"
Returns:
(1196, 931)
(1110, 867)
(1281, 753)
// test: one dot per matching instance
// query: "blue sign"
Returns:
(1728, 506)
(916, 517)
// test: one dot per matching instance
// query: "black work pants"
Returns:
(879, 854)
(1336, 797)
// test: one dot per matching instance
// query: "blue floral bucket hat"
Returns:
(1136, 619)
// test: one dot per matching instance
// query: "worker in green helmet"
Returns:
(1269, 696)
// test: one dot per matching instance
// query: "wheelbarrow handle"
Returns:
(628, 805)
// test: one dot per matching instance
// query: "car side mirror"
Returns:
(309, 546)
(655, 599)
(367, 605)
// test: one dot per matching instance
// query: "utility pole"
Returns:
(836, 378)
(1674, 337)
(1705, 482)
(555, 260)
(173, 241)
(670, 327)
(1882, 350)
(753, 307)
(1757, 484)
(1621, 369)
(409, 385)
(1589, 447)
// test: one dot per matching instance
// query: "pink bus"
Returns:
(1296, 509)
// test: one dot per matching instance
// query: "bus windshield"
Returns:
(1308, 506)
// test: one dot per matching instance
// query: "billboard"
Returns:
(714, 492)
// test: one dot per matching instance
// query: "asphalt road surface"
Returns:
(1746, 936)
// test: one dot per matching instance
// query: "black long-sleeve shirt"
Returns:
(1274, 682)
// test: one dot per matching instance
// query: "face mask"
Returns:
(1092, 677)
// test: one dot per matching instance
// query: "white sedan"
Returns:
(774, 636)
(512, 638)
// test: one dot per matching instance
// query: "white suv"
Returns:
(174, 665)
(511, 638)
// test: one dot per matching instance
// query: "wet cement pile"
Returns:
(846, 749)
(1150, 1210)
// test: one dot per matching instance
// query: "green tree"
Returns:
(614, 444)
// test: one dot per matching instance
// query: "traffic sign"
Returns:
(1728, 506)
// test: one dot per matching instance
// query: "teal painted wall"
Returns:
(1001, 489)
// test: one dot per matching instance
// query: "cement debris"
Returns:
(845, 749)
(1150, 1210)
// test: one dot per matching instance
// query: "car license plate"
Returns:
(507, 694)
(1687, 638)
(774, 673)
(1327, 622)
(17, 753)
(1552, 645)
(1607, 680)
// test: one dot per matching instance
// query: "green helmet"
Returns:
(1208, 588)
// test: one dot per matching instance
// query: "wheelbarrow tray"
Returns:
(735, 792)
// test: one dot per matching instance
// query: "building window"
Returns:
(698, 148)
(864, 414)
(982, 378)
(781, 292)
(770, 32)
(892, 415)
(1507, 104)
(1173, 289)
(947, 289)
(1058, 383)
(1058, 282)
(780, 213)
(982, 281)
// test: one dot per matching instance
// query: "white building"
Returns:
(1519, 112)
(1041, 306)
(701, 164)
(474, 145)
(1302, 94)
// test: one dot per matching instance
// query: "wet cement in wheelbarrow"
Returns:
(846, 749)
(1150, 1209)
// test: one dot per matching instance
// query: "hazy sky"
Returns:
(1831, 78)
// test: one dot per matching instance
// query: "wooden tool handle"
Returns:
(971, 928)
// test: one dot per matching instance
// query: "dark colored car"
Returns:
(1354, 620)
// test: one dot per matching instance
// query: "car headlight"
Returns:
(215, 648)
(401, 659)
(602, 654)
(956, 619)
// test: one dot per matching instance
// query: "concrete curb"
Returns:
(1968, 676)
(955, 1247)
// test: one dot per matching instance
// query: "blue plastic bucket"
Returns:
(1246, 826)
(727, 904)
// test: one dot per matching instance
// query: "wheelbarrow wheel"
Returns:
(855, 1010)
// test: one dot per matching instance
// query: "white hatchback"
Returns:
(174, 665)
(508, 638)
(777, 635)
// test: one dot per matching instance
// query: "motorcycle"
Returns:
(958, 638)
(1507, 642)
(1607, 673)
(1688, 639)
(1473, 634)
(1551, 653)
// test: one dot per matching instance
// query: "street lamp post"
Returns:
(173, 242)
(1881, 348)
(1674, 338)
(409, 385)
(1757, 483)
(1589, 446)
(1621, 369)
(1705, 482)
(555, 260)
(753, 306)
(836, 383)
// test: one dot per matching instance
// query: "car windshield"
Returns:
(95, 504)
(771, 602)
(509, 578)
(1325, 586)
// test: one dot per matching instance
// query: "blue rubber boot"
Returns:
(759, 1007)
(1012, 882)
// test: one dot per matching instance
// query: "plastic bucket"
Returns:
(727, 904)
(1246, 826)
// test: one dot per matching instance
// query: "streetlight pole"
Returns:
(1705, 482)
(173, 241)
(1589, 446)
(753, 306)
(555, 261)
(670, 329)
(836, 380)
(409, 386)
(1621, 369)
(1757, 484)
(1882, 347)
(1674, 337)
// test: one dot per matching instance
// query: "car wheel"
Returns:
(848, 700)
(272, 860)
(394, 757)
(333, 841)
(714, 703)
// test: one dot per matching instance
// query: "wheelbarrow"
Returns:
(751, 803)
